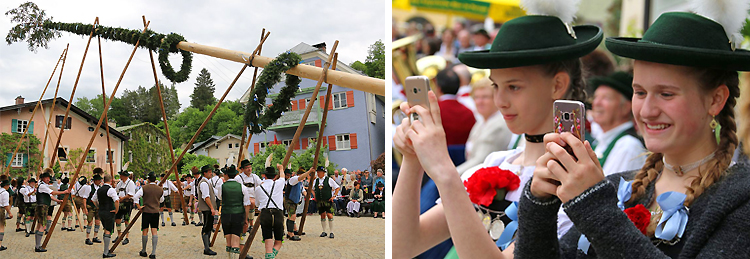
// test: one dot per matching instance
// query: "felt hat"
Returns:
(43, 175)
(380, 184)
(620, 81)
(206, 168)
(690, 39)
(543, 36)
(96, 177)
(66, 181)
(245, 163)
(4, 183)
(270, 172)
(124, 173)
(152, 176)
(82, 180)
(231, 171)
(195, 170)
(321, 168)
(32, 180)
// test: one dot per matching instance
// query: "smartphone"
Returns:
(569, 116)
(416, 88)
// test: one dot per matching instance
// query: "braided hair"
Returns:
(574, 68)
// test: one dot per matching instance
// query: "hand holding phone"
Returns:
(416, 88)
(569, 116)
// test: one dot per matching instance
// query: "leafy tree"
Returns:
(378, 163)
(203, 93)
(190, 160)
(359, 66)
(305, 159)
(74, 157)
(226, 120)
(375, 63)
(30, 147)
(29, 13)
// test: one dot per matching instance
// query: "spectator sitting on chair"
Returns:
(378, 179)
(366, 181)
(340, 201)
(378, 205)
(355, 198)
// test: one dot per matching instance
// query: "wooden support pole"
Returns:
(38, 104)
(91, 141)
(52, 109)
(295, 140)
(317, 147)
(106, 118)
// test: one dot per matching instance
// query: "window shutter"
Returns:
(256, 146)
(68, 124)
(305, 143)
(14, 125)
(25, 160)
(353, 140)
(321, 100)
(301, 104)
(332, 142)
(31, 127)
(330, 103)
(296, 146)
(324, 141)
(10, 159)
(318, 63)
(349, 99)
(294, 105)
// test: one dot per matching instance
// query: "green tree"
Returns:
(359, 66)
(226, 120)
(190, 160)
(203, 93)
(36, 36)
(375, 63)
(305, 159)
(30, 149)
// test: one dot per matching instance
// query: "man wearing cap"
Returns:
(612, 112)
(91, 210)
(292, 197)
(235, 204)
(80, 201)
(44, 197)
(324, 188)
(4, 209)
(109, 203)
(206, 195)
(168, 187)
(125, 191)
(250, 180)
(152, 196)
(29, 203)
(187, 194)
(270, 196)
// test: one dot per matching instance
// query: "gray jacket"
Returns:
(718, 225)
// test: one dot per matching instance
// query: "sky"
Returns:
(229, 24)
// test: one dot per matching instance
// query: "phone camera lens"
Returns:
(415, 90)
(566, 116)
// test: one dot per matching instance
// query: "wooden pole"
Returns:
(166, 129)
(72, 93)
(106, 118)
(38, 104)
(93, 136)
(216, 232)
(340, 78)
(174, 164)
(52, 108)
(295, 140)
(317, 147)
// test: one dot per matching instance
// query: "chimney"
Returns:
(321, 47)
(19, 100)
(112, 124)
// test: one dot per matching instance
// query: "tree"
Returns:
(375, 63)
(305, 159)
(226, 120)
(190, 160)
(359, 66)
(203, 93)
(29, 149)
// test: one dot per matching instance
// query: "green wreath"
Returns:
(257, 120)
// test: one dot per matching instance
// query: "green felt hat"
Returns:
(684, 39)
(231, 171)
(621, 81)
(270, 172)
(534, 40)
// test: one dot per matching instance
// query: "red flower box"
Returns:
(482, 186)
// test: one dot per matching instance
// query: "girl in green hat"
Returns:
(534, 61)
(689, 200)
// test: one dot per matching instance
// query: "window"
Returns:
(312, 142)
(91, 156)
(18, 160)
(59, 121)
(21, 126)
(230, 145)
(311, 63)
(262, 146)
(371, 103)
(342, 142)
(287, 142)
(149, 158)
(148, 138)
(339, 100)
(130, 156)
(110, 155)
(62, 153)
(236, 145)
(157, 139)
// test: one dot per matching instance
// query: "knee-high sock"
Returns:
(38, 239)
(323, 224)
(206, 242)
(96, 229)
(2, 234)
(106, 242)
(119, 226)
(49, 223)
(171, 217)
(144, 241)
(200, 217)
(154, 240)
(88, 231)
(289, 226)
(330, 224)
(162, 216)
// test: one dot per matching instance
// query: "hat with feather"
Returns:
(270, 171)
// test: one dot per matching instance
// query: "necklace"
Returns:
(535, 138)
(680, 170)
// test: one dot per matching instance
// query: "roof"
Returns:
(61, 101)
(303, 48)
(124, 128)
(211, 140)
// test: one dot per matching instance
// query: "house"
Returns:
(355, 126)
(79, 126)
(147, 148)
(225, 149)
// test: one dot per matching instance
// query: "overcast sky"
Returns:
(229, 24)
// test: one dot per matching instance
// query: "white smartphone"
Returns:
(416, 88)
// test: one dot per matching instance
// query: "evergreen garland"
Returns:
(256, 120)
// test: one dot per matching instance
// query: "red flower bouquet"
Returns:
(483, 184)
(640, 216)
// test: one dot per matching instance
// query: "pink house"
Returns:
(79, 127)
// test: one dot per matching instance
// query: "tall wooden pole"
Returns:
(295, 140)
(91, 141)
(106, 118)
(317, 146)
(53, 107)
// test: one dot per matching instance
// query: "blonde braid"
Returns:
(646, 175)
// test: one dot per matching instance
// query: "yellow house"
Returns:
(225, 149)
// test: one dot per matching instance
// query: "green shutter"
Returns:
(10, 158)
(25, 160)
(14, 126)
(31, 127)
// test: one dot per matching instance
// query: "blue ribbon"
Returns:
(675, 216)
(624, 191)
(584, 244)
(507, 236)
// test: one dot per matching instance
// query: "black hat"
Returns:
(82, 180)
(270, 172)
(43, 175)
(66, 180)
(321, 168)
(231, 171)
(206, 168)
(245, 163)
(380, 184)
(124, 173)
(287, 171)
(4, 183)
(161, 175)
(32, 180)
(620, 81)
(152, 176)
(96, 177)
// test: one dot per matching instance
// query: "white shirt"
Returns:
(216, 182)
(253, 178)
(86, 190)
(168, 188)
(4, 198)
(187, 188)
(331, 183)
(277, 195)
(110, 193)
(245, 193)
(26, 190)
(627, 154)
(204, 190)
(129, 188)
(77, 190)
(139, 194)
(338, 179)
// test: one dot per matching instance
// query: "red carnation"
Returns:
(483, 184)
(640, 216)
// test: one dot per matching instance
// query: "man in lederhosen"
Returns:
(109, 204)
(249, 180)
(29, 204)
(187, 194)
(324, 188)
(270, 196)
(19, 203)
(79, 200)
(235, 201)
(152, 196)
(205, 193)
(90, 209)
(43, 200)
(168, 188)
(197, 175)
(68, 208)
(216, 182)
(293, 197)
(125, 191)
(4, 208)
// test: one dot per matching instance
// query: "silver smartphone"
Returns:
(416, 88)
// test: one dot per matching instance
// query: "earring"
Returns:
(716, 128)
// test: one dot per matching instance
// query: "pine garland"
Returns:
(258, 121)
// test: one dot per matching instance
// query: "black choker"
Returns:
(535, 138)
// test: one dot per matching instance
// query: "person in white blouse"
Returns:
(90, 209)
(166, 204)
(4, 209)
(270, 197)
(188, 186)
(108, 202)
(29, 202)
(125, 190)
